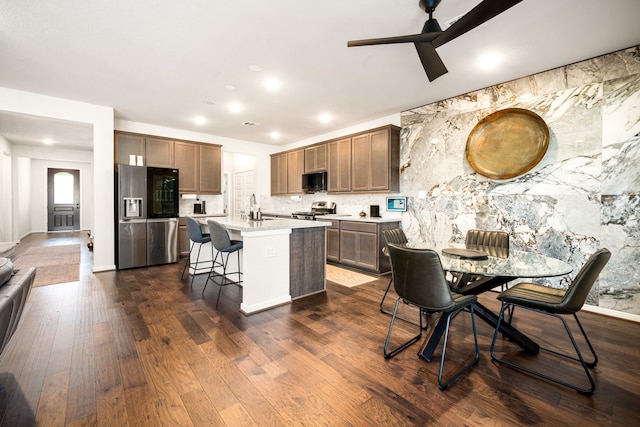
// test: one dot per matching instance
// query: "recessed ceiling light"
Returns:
(210, 102)
(47, 141)
(199, 120)
(254, 68)
(272, 84)
(489, 60)
(325, 117)
(234, 107)
(230, 87)
(275, 135)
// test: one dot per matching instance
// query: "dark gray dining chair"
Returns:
(225, 246)
(418, 279)
(493, 243)
(197, 238)
(556, 302)
(394, 235)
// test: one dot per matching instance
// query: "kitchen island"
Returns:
(281, 259)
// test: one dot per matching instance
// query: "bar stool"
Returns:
(196, 237)
(225, 246)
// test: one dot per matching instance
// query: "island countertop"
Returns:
(242, 225)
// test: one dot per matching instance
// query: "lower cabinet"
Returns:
(333, 241)
(184, 244)
(359, 244)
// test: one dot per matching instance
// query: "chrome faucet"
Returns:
(252, 205)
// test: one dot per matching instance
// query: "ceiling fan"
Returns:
(432, 35)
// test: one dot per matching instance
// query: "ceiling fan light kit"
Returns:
(433, 37)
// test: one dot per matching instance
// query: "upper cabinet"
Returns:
(375, 160)
(295, 169)
(279, 174)
(315, 158)
(339, 165)
(199, 164)
(159, 152)
(127, 145)
(366, 162)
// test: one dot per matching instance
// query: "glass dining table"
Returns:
(480, 269)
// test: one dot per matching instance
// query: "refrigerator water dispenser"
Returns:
(132, 207)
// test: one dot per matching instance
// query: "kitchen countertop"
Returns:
(244, 225)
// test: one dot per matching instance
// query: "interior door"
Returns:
(243, 188)
(63, 194)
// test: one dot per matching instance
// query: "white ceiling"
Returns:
(165, 62)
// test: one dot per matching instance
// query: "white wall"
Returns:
(43, 158)
(22, 198)
(5, 191)
(101, 118)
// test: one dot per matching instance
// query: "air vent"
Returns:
(250, 124)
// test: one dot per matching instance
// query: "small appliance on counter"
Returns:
(199, 208)
(374, 211)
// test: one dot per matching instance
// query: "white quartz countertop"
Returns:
(245, 225)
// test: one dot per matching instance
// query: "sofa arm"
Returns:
(13, 297)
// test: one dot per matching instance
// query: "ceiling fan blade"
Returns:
(431, 61)
(480, 14)
(412, 38)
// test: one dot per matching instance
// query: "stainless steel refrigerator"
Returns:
(147, 214)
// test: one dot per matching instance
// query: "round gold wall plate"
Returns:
(507, 143)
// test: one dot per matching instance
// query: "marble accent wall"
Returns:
(583, 195)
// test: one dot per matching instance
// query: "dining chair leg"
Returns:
(390, 354)
(585, 365)
(382, 310)
(443, 385)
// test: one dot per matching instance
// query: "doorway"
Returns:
(63, 199)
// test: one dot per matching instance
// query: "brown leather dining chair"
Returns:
(419, 280)
(556, 303)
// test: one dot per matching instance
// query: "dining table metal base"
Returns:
(474, 288)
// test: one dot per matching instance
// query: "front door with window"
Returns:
(63, 188)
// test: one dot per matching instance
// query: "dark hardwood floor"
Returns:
(142, 348)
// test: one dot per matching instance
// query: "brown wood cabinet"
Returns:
(376, 161)
(359, 244)
(315, 158)
(339, 166)
(286, 172)
(210, 169)
(199, 166)
(128, 145)
(367, 162)
(279, 174)
(333, 241)
(186, 154)
(295, 169)
(159, 152)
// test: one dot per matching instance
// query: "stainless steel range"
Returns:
(317, 209)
